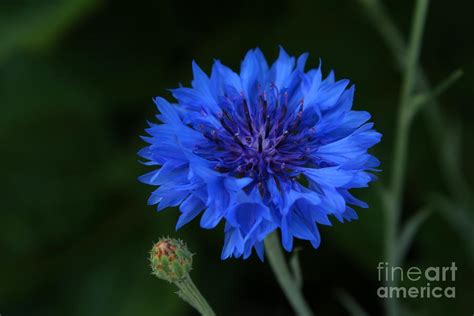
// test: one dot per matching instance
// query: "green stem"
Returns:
(190, 293)
(390, 34)
(406, 98)
(401, 142)
(285, 278)
(432, 114)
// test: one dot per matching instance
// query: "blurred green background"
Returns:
(77, 79)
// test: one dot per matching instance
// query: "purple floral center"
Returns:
(265, 138)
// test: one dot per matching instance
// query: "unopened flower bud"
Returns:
(170, 259)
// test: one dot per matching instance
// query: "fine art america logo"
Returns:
(432, 279)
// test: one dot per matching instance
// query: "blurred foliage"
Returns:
(76, 82)
(34, 25)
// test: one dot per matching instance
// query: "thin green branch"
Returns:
(283, 274)
(389, 32)
(407, 234)
(432, 114)
(459, 218)
(408, 87)
(393, 38)
(352, 307)
(401, 142)
(422, 99)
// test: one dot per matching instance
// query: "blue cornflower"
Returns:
(270, 148)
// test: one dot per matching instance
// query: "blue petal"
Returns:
(168, 113)
(246, 216)
(253, 72)
(190, 208)
(211, 217)
(332, 176)
(171, 171)
(225, 77)
(301, 62)
(259, 249)
(202, 84)
(329, 94)
(233, 244)
(350, 214)
(310, 86)
(281, 69)
(321, 217)
(286, 236)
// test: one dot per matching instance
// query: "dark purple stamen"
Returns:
(262, 139)
(247, 116)
(260, 142)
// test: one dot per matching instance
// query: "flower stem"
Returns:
(392, 37)
(403, 125)
(285, 278)
(401, 143)
(190, 293)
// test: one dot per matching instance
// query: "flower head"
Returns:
(170, 259)
(270, 148)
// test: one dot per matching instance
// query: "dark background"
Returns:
(76, 85)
